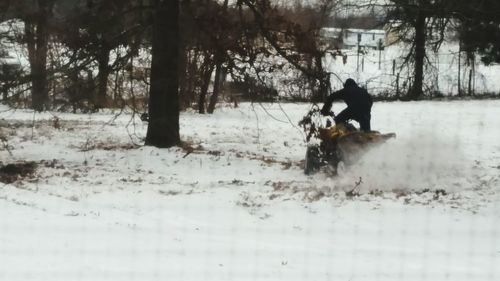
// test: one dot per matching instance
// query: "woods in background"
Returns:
(84, 55)
(91, 54)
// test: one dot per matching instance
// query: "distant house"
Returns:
(9, 60)
(349, 38)
(332, 36)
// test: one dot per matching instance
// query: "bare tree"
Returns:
(295, 37)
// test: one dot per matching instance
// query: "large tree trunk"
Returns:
(420, 37)
(102, 77)
(163, 128)
(37, 40)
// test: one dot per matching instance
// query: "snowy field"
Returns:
(236, 205)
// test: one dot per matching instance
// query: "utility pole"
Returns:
(380, 47)
(359, 50)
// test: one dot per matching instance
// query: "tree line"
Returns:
(78, 44)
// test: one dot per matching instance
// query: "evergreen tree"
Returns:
(480, 28)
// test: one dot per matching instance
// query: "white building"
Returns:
(9, 52)
(350, 37)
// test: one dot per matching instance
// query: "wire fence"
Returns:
(78, 203)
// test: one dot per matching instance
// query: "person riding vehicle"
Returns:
(359, 105)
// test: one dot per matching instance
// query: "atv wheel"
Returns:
(313, 160)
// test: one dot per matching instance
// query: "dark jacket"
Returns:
(357, 99)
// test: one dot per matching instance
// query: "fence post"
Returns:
(359, 50)
(397, 85)
(459, 70)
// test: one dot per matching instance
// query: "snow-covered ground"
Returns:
(239, 207)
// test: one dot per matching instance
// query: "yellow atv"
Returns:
(337, 145)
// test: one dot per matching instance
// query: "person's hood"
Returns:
(350, 83)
